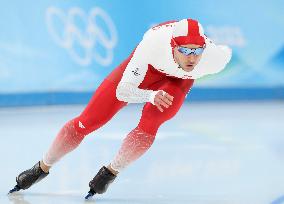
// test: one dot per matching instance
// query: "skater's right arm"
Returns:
(127, 89)
(134, 74)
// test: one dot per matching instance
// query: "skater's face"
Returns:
(188, 59)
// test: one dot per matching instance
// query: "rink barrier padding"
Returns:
(196, 94)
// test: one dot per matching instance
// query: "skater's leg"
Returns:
(140, 139)
(136, 143)
(100, 109)
(66, 140)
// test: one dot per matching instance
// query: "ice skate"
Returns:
(100, 182)
(29, 177)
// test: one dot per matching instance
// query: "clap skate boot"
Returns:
(100, 182)
(29, 177)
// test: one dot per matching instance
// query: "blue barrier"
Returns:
(196, 94)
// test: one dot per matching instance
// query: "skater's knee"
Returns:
(89, 121)
(86, 125)
(149, 127)
(152, 119)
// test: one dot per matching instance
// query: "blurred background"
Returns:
(57, 47)
(55, 53)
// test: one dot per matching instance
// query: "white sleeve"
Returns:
(127, 89)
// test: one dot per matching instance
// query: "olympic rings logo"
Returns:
(88, 38)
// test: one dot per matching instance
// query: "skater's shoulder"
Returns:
(160, 31)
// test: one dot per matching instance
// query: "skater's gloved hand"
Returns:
(163, 100)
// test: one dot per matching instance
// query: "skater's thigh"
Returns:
(101, 108)
(152, 117)
(103, 104)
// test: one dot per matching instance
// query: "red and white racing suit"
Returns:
(150, 68)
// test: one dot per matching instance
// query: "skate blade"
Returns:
(15, 189)
(90, 195)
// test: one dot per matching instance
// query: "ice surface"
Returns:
(210, 153)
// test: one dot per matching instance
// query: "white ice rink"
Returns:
(210, 153)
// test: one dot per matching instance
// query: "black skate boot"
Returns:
(100, 182)
(29, 177)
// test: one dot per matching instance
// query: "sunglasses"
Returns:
(187, 51)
